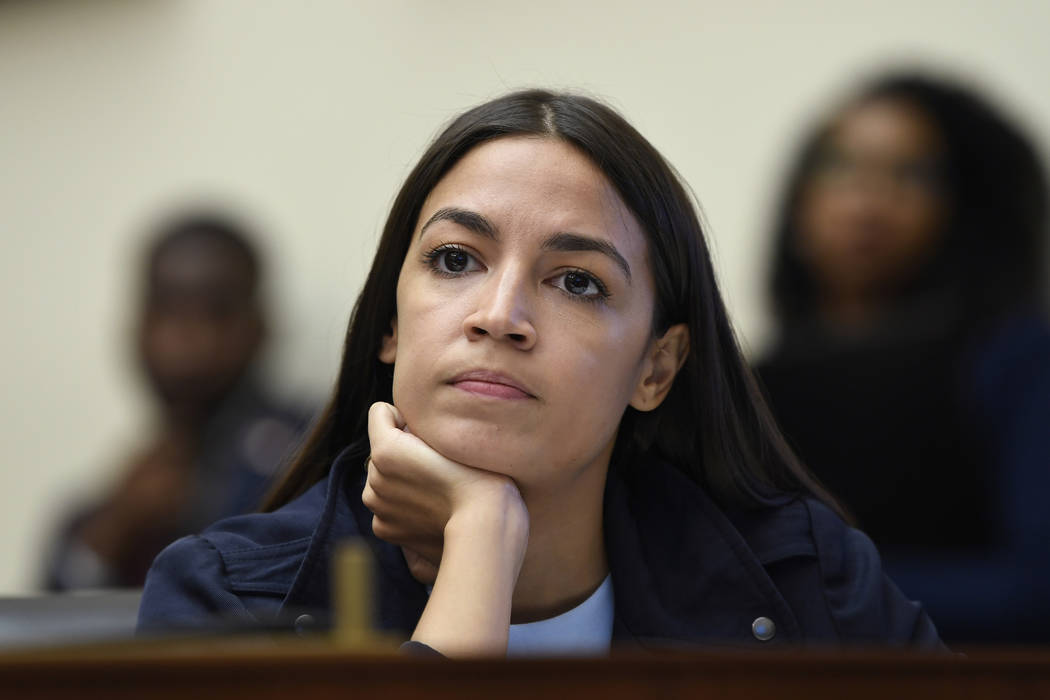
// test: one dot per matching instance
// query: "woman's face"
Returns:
(524, 311)
(872, 211)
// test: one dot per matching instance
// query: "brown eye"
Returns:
(455, 260)
(581, 286)
(577, 282)
(451, 261)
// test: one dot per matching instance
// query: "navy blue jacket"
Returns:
(683, 571)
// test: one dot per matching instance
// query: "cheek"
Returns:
(422, 312)
(585, 414)
(815, 222)
(598, 379)
(920, 226)
(612, 371)
(428, 322)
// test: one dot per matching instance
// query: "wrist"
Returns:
(498, 512)
(484, 547)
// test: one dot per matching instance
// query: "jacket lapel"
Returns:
(399, 597)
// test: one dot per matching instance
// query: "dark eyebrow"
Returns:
(465, 218)
(574, 241)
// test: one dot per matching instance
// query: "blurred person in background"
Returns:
(219, 436)
(911, 370)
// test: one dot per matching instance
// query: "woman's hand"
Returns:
(413, 491)
(463, 528)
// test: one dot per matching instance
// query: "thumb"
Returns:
(384, 416)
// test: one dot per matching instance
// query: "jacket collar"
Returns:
(400, 598)
(682, 573)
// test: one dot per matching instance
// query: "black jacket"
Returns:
(684, 572)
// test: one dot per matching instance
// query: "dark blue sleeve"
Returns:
(999, 593)
(187, 588)
(863, 603)
(419, 649)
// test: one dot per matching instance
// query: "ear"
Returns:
(665, 357)
(388, 349)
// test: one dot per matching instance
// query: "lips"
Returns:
(493, 384)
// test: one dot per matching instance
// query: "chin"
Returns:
(519, 447)
(487, 447)
(479, 444)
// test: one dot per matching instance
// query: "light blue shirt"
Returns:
(586, 630)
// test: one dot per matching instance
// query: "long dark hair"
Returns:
(713, 425)
(993, 257)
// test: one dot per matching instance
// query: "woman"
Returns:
(542, 413)
(912, 369)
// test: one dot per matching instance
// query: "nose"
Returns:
(503, 311)
(872, 209)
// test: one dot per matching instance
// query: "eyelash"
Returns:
(600, 298)
(431, 259)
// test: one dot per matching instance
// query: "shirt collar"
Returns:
(584, 630)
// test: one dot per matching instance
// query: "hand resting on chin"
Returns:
(461, 528)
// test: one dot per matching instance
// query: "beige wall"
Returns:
(306, 115)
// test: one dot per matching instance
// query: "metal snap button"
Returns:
(303, 623)
(763, 628)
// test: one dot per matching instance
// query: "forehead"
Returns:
(886, 125)
(199, 266)
(538, 185)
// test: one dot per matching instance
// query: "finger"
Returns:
(391, 496)
(384, 430)
(384, 415)
(426, 552)
(369, 498)
(393, 531)
(393, 446)
(382, 485)
(381, 530)
(422, 570)
(399, 420)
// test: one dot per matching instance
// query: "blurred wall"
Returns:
(305, 116)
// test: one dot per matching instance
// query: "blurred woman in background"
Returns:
(911, 371)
